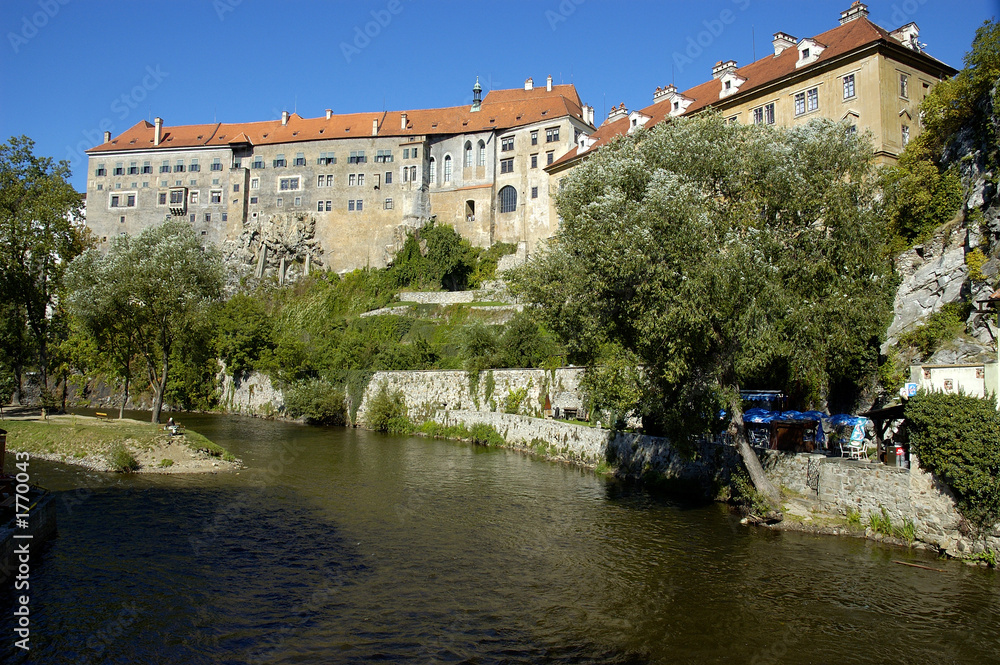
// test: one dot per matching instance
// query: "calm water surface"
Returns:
(343, 546)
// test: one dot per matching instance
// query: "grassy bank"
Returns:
(80, 436)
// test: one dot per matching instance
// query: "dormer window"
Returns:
(805, 54)
(677, 106)
(809, 52)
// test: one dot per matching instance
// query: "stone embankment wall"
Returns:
(250, 395)
(427, 391)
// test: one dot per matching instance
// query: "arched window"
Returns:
(432, 167)
(468, 154)
(508, 199)
(482, 153)
(447, 168)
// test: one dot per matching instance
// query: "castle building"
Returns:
(340, 191)
(857, 72)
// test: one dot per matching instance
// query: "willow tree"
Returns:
(721, 254)
(139, 298)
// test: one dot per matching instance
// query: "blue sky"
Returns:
(70, 67)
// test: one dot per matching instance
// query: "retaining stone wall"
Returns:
(250, 395)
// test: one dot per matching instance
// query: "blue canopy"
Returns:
(842, 419)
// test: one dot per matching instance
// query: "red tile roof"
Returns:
(838, 41)
(502, 109)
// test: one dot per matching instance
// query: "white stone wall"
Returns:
(250, 395)
(428, 391)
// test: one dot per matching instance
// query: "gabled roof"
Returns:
(839, 41)
(502, 109)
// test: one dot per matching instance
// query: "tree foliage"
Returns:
(721, 255)
(152, 289)
(957, 438)
(37, 240)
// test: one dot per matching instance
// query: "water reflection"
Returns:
(342, 546)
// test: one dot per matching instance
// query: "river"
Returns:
(346, 546)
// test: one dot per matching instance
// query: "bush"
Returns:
(120, 459)
(318, 401)
(957, 438)
(387, 412)
(486, 435)
(943, 325)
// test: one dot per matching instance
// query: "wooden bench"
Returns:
(103, 416)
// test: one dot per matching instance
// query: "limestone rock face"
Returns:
(284, 246)
(250, 395)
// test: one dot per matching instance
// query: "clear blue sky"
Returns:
(69, 66)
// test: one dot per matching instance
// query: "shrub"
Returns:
(486, 435)
(387, 412)
(939, 327)
(318, 401)
(166, 462)
(120, 459)
(957, 438)
(512, 402)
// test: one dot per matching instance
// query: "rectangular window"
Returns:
(225, 217)
(534, 161)
(326, 158)
(133, 168)
(100, 170)
(769, 113)
(258, 163)
(130, 199)
(319, 206)
(383, 156)
(279, 202)
(192, 218)
(193, 197)
(278, 162)
(145, 183)
(800, 103)
(147, 167)
(237, 162)
(361, 180)
(177, 197)
(165, 167)
(549, 157)
(329, 180)
(119, 169)
(812, 99)
(352, 180)
(406, 153)
(254, 183)
(357, 157)
(114, 200)
(551, 134)
(849, 86)
(162, 198)
(359, 204)
(236, 187)
(413, 173)
(329, 206)
(387, 205)
(904, 85)
(300, 159)
(406, 174)
(285, 184)
(298, 200)
(179, 167)
(321, 181)
(534, 137)
(414, 153)
(253, 200)
(388, 177)
(208, 217)
(194, 166)
(534, 192)
(216, 196)
(350, 204)
(216, 164)
(906, 135)
(507, 143)
(507, 165)
(122, 221)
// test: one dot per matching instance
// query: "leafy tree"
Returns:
(718, 254)
(435, 257)
(155, 286)
(37, 240)
(614, 385)
(243, 333)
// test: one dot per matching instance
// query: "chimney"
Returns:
(529, 83)
(329, 113)
(375, 127)
(107, 137)
(284, 118)
(157, 130)
(548, 84)
(857, 10)
(723, 68)
(402, 121)
(782, 41)
(588, 114)
(617, 112)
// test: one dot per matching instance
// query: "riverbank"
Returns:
(110, 445)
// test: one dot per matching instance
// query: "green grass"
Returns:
(120, 459)
(79, 436)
